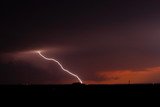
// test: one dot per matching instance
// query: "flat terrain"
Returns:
(133, 90)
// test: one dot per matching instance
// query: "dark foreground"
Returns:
(80, 94)
(133, 90)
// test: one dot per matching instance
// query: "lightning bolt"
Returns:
(51, 59)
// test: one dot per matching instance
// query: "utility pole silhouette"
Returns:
(129, 82)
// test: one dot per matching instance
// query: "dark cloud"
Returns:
(22, 72)
(99, 36)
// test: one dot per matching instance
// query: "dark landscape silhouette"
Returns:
(77, 89)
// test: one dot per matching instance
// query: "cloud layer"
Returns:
(88, 38)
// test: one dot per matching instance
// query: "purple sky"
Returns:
(102, 42)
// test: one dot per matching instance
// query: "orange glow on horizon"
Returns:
(150, 75)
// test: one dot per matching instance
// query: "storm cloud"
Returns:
(88, 37)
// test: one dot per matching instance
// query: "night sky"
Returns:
(103, 42)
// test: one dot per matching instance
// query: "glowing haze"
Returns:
(108, 41)
(51, 59)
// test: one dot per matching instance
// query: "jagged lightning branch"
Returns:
(51, 59)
